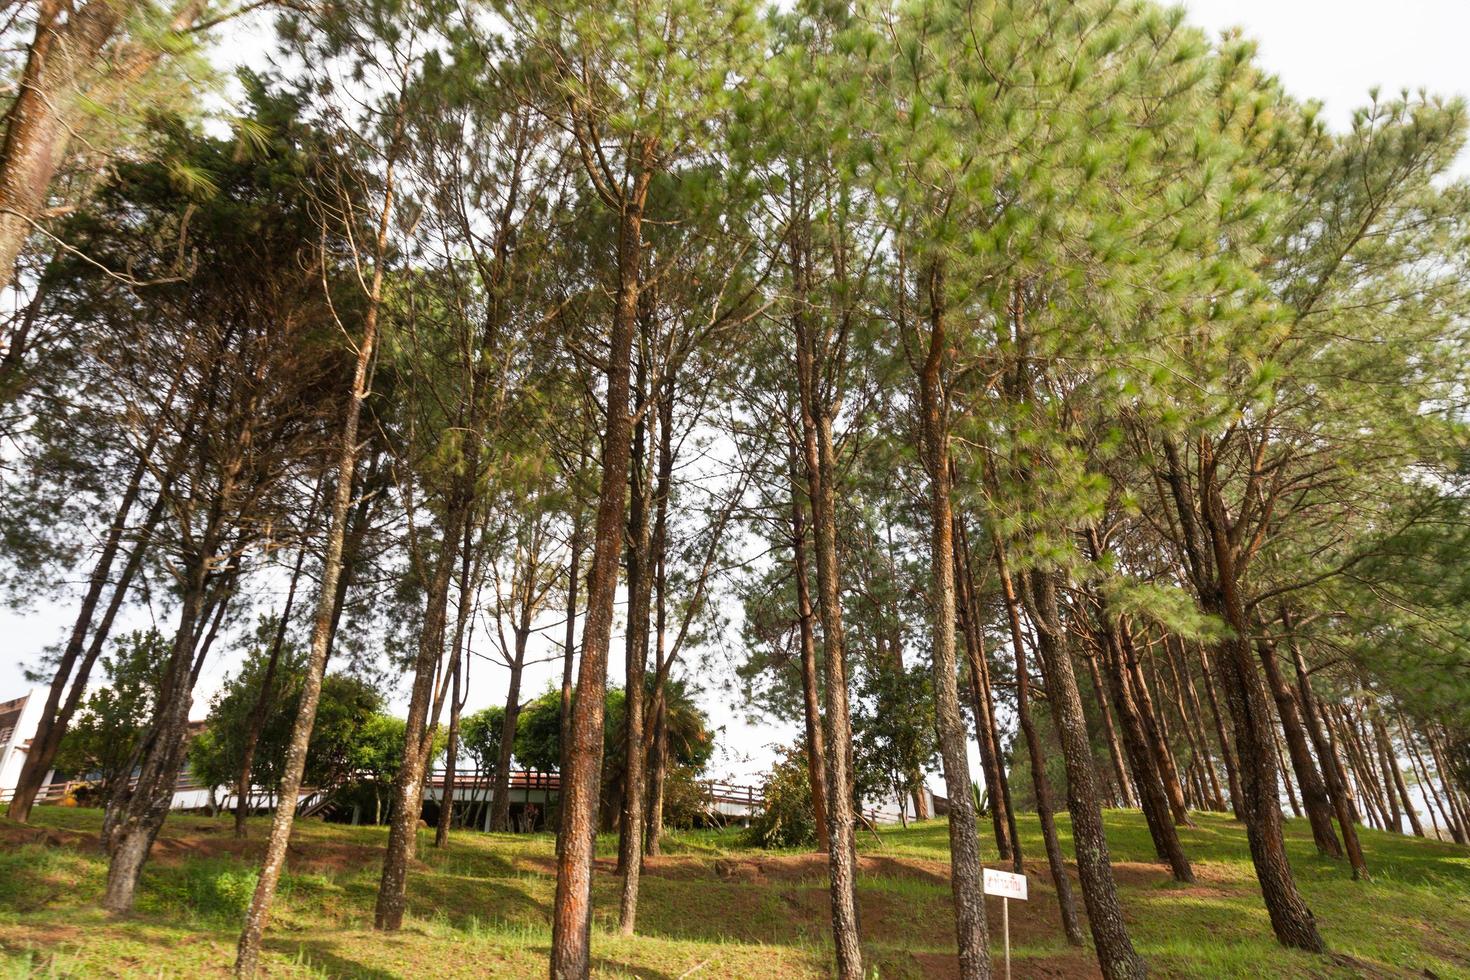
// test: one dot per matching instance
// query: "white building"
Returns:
(18, 720)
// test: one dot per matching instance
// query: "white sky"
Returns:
(1331, 50)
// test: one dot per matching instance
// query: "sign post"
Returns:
(1007, 886)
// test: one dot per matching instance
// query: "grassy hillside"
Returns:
(710, 908)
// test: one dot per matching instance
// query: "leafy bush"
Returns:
(215, 892)
(786, 817)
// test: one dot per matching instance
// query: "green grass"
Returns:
(710, 907)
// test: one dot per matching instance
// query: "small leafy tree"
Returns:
(103, 740)
(893, 733)
(785, 819)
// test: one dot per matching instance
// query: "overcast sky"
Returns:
(1330, 50)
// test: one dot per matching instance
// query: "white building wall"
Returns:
(12, 755)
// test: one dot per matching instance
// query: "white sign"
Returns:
(1005, 884)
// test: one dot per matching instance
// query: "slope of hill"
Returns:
(710, 908)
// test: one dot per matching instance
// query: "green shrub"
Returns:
(785, 819)
(215, 892)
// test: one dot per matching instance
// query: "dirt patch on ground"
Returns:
(14, 835)
(1079, 965)
(207, 841)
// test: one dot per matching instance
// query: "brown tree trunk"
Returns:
(1126, 796)
(1314, 792)
(1333, 775)
(964, 844)
(451, 754)
(409, 784)
(1213, 553)
(582, 779)
(1149, 718)
(1390, 761)
(57, 713)
(1144, 763)
(1115, 953)
(328, 606)
(640, 595)
(1057, 864)
(569, 648)
(260, 710)
(655, 744)
(39, 123)
(810, 688)
(986, 733)
(135, 819)
(500, 795)
(1184, 681)
(1222, 736)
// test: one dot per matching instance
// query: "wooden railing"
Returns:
(55, 792)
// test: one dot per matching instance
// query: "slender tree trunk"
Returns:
(655, 741)
(1149, 719)
(500, 798)
(1296, 810)
(1461, 828)
(1115, 953)
(569, 649)
(985, 727)
(964, 844)
(582, 779)
(1314, 792)
(139, 815)
(1144, 762)
(817, 410)
(1183, 680)
(1060, 881)
(451, 756)
(640, 594)
(1227, 751)
(56, 714)
(1385, 749)
(1431, 801)
(328, 605)
(260, 710)
(408, 786)
(1115, 750)
(810, 687)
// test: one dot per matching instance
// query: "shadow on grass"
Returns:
(321, 954)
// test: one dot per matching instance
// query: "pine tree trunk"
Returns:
(1060, 881)
(408, 786)
(1149, 719)
(817, 410)
(1313, 791)
(810, 687)
(57, 713)
(260, 710)
(328, 606)
(569, 649)
(986, 734)
(500, 795)
(964, 844)
(1222, 737)
(1144, 763)
(655, 745)
(1385, 749)
(451, 753)
(582, 778)
(1184, 681)
(138, 815)
(39, 122)
(640, 594)
(1115, 750)
(1115, 953)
